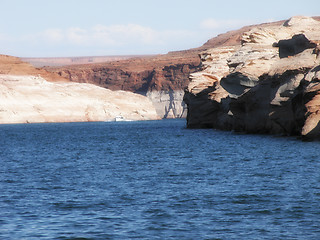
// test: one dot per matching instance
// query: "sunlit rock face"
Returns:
(168, 104)
(266, 84)
(29, 99)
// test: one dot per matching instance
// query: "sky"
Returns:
(65, 28)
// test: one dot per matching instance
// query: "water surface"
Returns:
(155, 180)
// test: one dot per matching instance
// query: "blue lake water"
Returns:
(155, 180)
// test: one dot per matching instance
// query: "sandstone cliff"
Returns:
(269, 83)
(27, 99)
(27, 96)
(162, 78)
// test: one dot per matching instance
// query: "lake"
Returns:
(155, 180)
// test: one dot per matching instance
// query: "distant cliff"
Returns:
(28, 95)
(269, 82)
(162, 78)
(64, 61)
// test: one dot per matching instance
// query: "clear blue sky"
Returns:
(51, 28)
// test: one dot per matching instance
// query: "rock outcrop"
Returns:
(269, 83)
(29, 99)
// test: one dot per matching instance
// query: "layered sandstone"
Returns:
(28, 94)
(162, 78)
(266, 84)
(29, 99)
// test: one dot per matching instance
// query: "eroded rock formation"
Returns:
(28, 99)
(28, 94)
(267, 84)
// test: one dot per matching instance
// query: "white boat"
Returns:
(119, 119)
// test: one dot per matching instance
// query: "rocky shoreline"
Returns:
(269, 83)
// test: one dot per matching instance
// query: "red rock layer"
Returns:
(161, 72)
(14, 66)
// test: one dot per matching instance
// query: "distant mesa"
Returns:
(65, 61)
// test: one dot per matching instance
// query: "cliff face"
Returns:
(28, 99)
(162, 78)
(267, 84)
(27, 96)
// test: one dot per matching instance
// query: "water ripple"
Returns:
(155, 180)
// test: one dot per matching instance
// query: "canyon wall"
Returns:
(28, 95)
(30, 99)
(161, 78)
(168, 103)
(269, 83)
